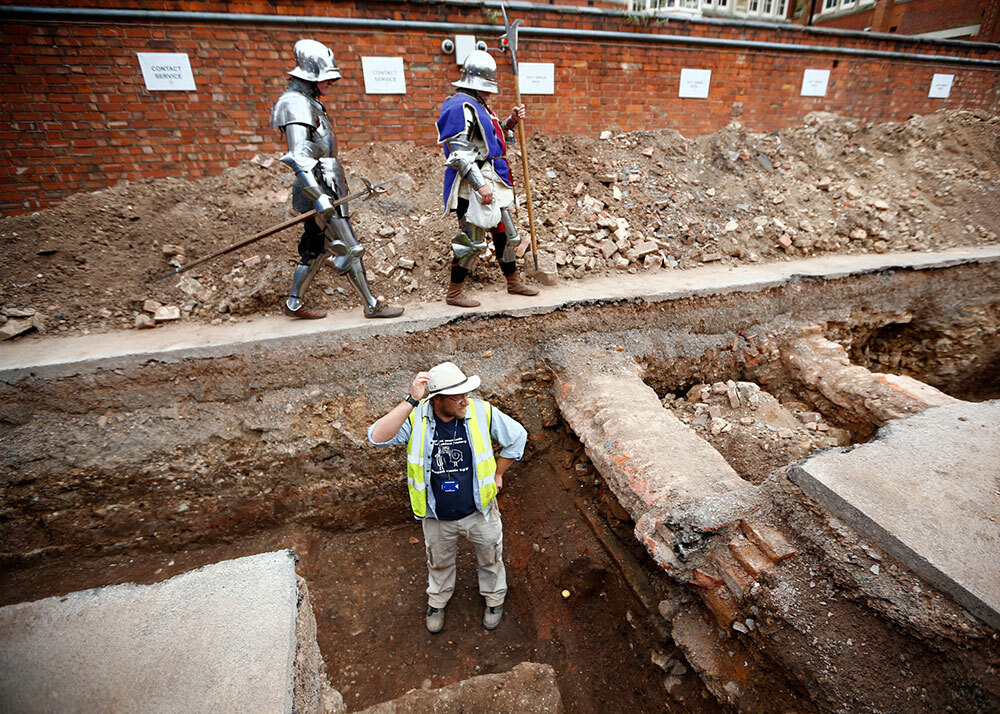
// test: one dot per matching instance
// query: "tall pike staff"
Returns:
(509, 42)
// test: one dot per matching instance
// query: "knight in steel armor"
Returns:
(474, 147)
(319, 181)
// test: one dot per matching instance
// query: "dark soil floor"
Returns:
(367, 590)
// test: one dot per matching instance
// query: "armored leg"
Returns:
(505, 242)
(345, 256)
(467, 245)
(305, 271)
(508, 254)
(311, 253)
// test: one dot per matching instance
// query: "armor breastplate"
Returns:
(323, 133)
(294, 107)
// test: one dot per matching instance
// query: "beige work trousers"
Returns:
(441, 543)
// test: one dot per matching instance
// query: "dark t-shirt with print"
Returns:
(452, 471)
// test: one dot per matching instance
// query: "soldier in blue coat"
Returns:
(477, 180)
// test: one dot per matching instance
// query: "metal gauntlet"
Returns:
(464, 158)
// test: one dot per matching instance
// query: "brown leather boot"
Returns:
(384, 309)
(458, 298)
(516, 287)
(303, 313)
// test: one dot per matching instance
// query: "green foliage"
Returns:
(640, 20)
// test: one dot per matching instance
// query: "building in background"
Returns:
(770, 10)
(939, 19)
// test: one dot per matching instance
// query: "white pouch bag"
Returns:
(484, 216)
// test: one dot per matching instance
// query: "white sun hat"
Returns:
(447, 378)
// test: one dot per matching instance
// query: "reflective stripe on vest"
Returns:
(478, 419)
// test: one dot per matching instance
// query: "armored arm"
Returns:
(303, 156)
(464, 153)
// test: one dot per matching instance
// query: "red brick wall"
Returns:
(76, 116)
(919, 16)
(914, 17)
(989, 30)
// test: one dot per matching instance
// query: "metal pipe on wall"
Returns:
(96, 14)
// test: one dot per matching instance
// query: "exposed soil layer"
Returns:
(643, 201)
(367, 588)
(138, 473)
(958, 356)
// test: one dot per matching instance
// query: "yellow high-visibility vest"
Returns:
(478, 417)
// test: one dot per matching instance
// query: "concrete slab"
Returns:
(927, 491)
(50, 356)
(218, 639)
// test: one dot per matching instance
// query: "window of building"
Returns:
(832, 6)
(765, 9)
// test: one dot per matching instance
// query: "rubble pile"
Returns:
(622, 203)
(753, 430)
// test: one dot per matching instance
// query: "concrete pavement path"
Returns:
(54, 356)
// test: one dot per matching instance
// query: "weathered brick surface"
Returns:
(749, 556)
(658, 468)
(76, 115)
(648, 457)
(823, 367)
(738, 580)
(771, 542)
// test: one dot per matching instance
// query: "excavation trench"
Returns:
(145, 467)
(367, 585)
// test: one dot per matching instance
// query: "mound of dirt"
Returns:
(640, 201)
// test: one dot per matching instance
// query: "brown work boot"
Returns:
(303, 313)
(516, 287)
(384, 309)
(458, 298)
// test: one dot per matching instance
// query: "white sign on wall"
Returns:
(941, 86)
(536, 77)
(464, 44)
(166, 71)
(383, 75)
(694, 83)
(815, 82)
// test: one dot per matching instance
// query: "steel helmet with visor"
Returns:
(479, 72)
(314, 62)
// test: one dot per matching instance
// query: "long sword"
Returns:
(367, 192)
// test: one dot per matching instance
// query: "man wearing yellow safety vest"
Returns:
(449, 447)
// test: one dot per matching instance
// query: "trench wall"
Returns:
(76, 115)
(160, 451)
